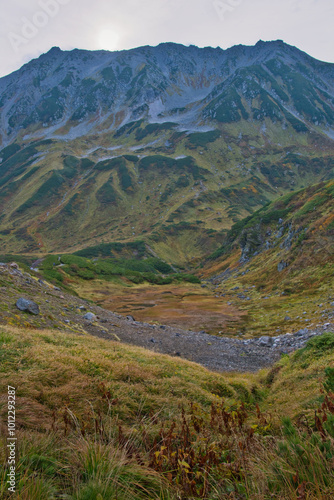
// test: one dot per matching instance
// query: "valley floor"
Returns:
(62, 311)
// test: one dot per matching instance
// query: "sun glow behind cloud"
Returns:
(108, 39)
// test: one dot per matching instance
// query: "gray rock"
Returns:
(130, 318)
(90, 316)
(302, 332)
(287, 318)
(282, 265)
(27, 305)
(266, 341)
(82, 308)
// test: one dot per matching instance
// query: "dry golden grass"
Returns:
(92, 416)
(54, 370)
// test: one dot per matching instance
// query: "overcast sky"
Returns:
(30, 27)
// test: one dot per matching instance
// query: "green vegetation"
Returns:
(23, 260)
(137, 248)
(51, 107)
(156, 161)
(131, 158)
(316, 348)
(49, 188)
(221, 108)
(165, 163)
(108, 74)
(125, 75)
(311, 205)
(298, 125)
(268, 108)
(16, 159)
(110, 164)
(128, 128)
(9, 151)
(107, 194)
(125, 178)
(201, 139)
(153, 128)
(71, 166)
(50, 271)
(136, 270)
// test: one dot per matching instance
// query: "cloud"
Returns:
(132, 23)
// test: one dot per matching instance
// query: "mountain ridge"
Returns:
(93, 83)
(163, 143)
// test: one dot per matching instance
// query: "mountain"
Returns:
(130, 169)
(187, 85)
(167, 144)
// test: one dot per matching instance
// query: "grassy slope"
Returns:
(181, 211)
(302, 241)
(91, 413)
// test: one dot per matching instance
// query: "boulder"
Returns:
(90, 317)
(266, 341)
(27, 305)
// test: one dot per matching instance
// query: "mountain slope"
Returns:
(169, 144)
(277, 265)
(298, 227)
